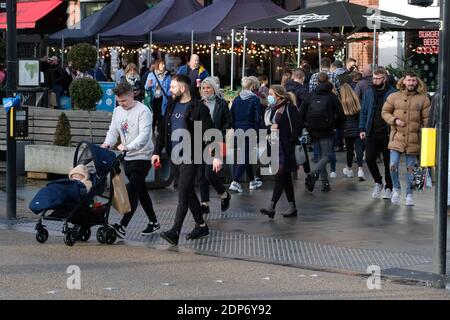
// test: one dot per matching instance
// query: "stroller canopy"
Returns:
(99, 160)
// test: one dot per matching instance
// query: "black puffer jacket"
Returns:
(351, 126)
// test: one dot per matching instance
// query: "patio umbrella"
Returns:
(341, 18)
(112, 15)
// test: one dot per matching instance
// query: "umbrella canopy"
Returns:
(162, 14)
(340, 17)
(112, 15)
(216, 20)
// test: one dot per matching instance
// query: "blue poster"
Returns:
(108, 101)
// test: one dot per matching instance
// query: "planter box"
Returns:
(49, 159)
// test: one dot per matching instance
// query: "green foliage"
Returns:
(63, 135)
(85, 92)
(229, 94)
(406, 65)
(83, 57)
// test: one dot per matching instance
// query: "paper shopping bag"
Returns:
(120, 200)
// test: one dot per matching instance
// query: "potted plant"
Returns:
(85, 93)
(83, 58)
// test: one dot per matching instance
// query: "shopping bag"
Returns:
(120, 200)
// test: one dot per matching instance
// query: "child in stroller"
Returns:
(72, 200)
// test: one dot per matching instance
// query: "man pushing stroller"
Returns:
(132, 122)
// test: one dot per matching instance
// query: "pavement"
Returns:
(29, 271)
(343, 231)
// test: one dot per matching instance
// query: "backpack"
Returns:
(319, 115)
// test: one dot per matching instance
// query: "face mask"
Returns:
(379, 86)
(271, 100)
(211, 98)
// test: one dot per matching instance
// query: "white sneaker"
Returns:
(409, 200)
(361, 176)
(387, 194)
(255, 184)
(377, 190)
(333, 175)
(235, 186)
(347, 172)
(395, 196)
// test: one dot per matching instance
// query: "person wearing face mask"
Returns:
(375, 131)
(283, 117)
(406, 111)
(132, 78)
(158, 81)
(221, 118)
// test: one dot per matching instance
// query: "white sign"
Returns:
(385, 19)
(295, 20)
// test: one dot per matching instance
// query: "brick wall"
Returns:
(362, 52)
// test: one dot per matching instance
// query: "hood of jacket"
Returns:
(246, 94)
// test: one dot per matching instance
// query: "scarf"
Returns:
(279, 110)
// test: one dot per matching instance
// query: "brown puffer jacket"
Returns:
(413, 109)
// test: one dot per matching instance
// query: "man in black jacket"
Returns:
(183, 112)
(321, 113)
(297, 87)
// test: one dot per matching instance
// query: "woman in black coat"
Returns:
(283, 120)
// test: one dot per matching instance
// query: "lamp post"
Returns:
(440, 225)
(11, 84)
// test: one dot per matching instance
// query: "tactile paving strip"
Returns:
(263, 248)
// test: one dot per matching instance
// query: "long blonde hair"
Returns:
(349, 100)
(282, 93)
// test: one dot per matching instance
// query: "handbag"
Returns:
(120, 201)
(299, 152)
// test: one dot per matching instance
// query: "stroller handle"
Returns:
(122, 155)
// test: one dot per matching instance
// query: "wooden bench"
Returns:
(42, 125)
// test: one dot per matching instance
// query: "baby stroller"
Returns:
(70, 204)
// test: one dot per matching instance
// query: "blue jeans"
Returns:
(326, 151)
(394, 164)
(317, 151)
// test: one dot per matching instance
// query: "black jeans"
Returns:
(156, 107)
(205, 177)
(187, 199)
(136, 172)
(239, 169)
(376, 144)
(283, 182)
(354, 144)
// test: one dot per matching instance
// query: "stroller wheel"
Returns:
(69, 238)
(110, 235)
(100, 235)
(42, 235)
(85, 234)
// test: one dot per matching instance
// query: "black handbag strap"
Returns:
(159, 83)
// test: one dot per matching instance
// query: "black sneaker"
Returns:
(225, 203)
(198, 232)
(171, 236)
(326, 187)
(204, 209)
(151, 227)
(120, 230)
(268, 212)
(310, 181)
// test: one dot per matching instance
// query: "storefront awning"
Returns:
(28, 13)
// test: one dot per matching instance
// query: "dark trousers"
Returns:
(283, 182)
(205, 177)
(187, 199)
(136, 172)
(156, 107)
(376, 144)
(246, 166)
(354, 144)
